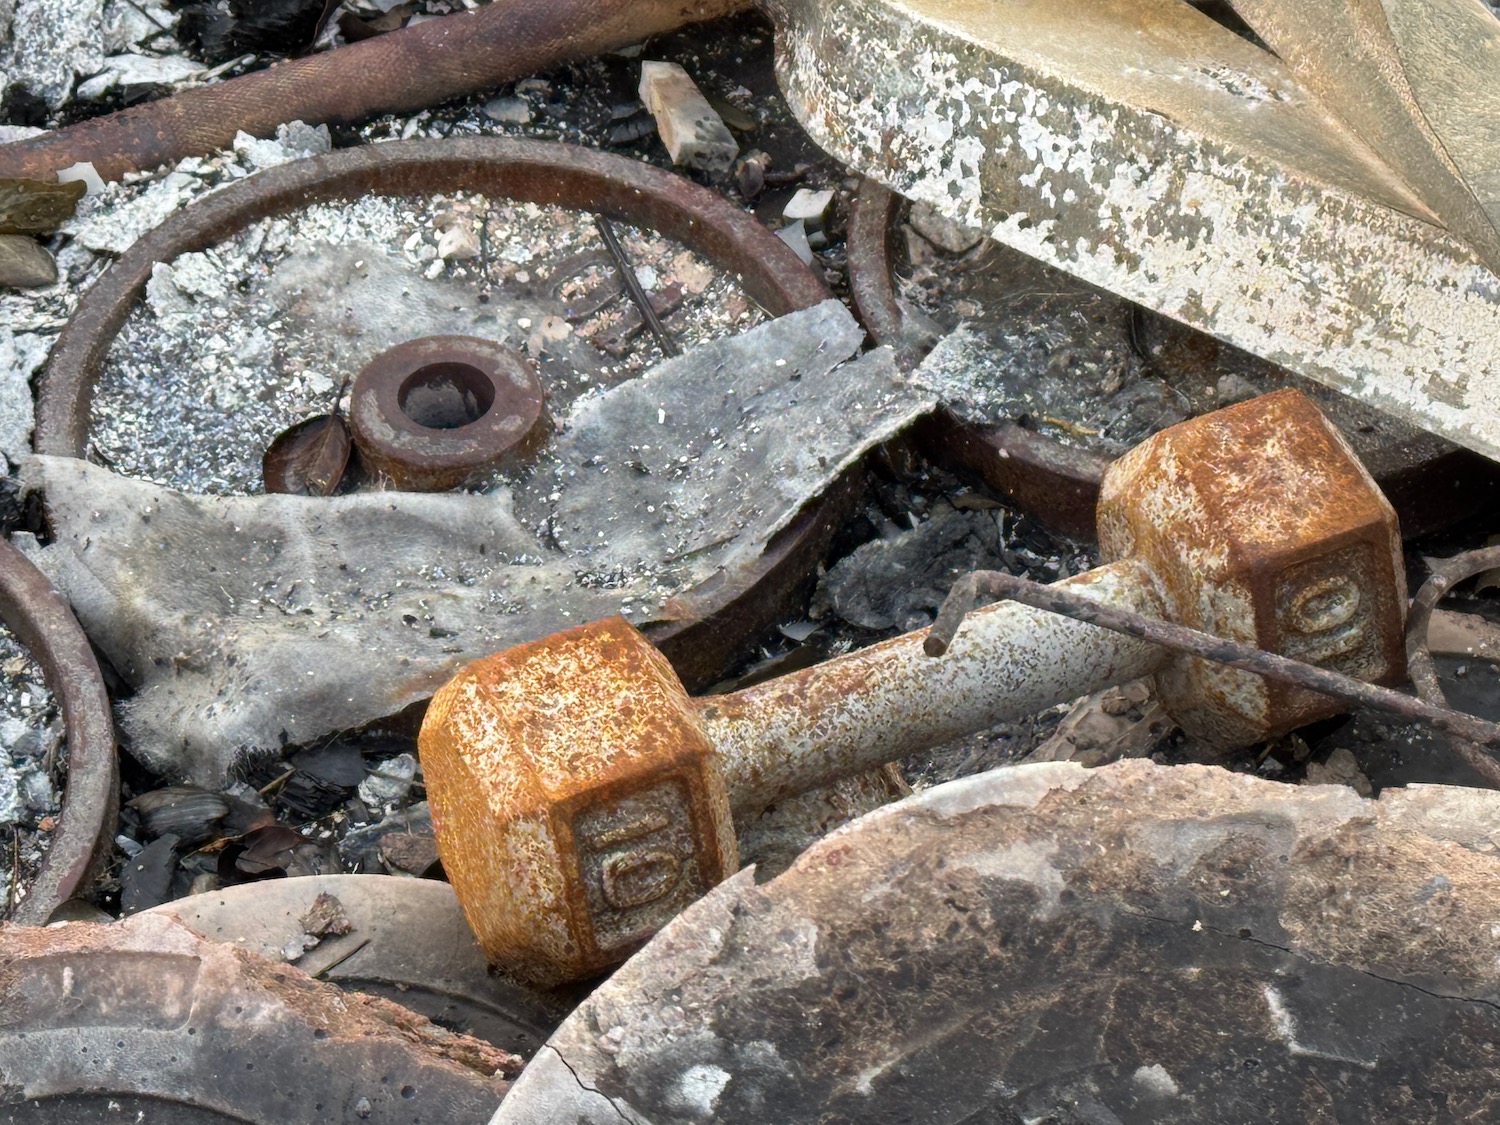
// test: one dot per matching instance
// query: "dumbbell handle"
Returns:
(858, 711)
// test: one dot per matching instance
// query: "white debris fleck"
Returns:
(200, 275)
(294, 141)
(511, 111)
(129, 22)
(458, 243)
(20, 355)
(139, 70)
(795, 236)
(694, 134)
(699, 1088)
(389, 781)
(807, 205)
(1155, 1079)
(83, 171)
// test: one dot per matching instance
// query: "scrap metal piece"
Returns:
(1430, 482)
(705, 623)
(144, 1020)
(34, 611)
(1127, 944)
(1154, 153)
(406, 941)
(580, 797)
(1414, 79)
(416, 67)
(1447, 573)
(431, 413)
(1232, 654)
(217, 608)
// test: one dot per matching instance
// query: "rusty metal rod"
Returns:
(1081, 607)
(633, 287)
(403, 71)
(1446, 573)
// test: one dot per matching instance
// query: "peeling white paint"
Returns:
(1259, 247)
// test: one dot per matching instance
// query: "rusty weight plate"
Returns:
(715, 618)
(146, 1020)
(36, 613)
(406, 940)
(1431, 482)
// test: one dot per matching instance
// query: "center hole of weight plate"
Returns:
(445, 396)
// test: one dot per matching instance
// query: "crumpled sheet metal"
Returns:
(248, 623)
(1150, 151)
(1129, 944)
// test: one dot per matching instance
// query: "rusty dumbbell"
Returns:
(581, 798)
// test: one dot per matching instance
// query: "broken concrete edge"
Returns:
(1176, 213)
(1190, 848)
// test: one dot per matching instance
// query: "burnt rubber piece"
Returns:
(145, 1020)
(1430, 482)
(433, 412)
(34, 611)
(406, 941)
(714, 619)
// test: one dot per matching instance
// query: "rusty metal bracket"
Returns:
(33, 610)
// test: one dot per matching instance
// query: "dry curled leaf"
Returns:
(309, 458)
(34, 207)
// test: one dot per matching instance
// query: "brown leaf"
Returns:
(309, 458)
(263, 852)
(34, 207)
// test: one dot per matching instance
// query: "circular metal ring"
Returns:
(33, 610)
(712, 620)
(543, 172)
(433, 412)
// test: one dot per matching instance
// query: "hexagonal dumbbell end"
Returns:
(575, 799)
(1219, 508)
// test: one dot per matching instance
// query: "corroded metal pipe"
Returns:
(404, 71)
(884, 702)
